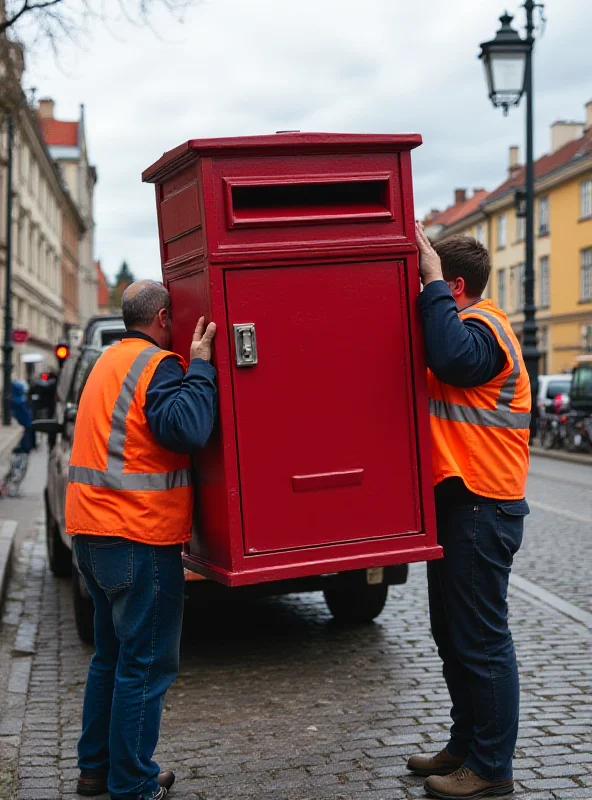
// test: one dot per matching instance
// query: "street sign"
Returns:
(20, 336)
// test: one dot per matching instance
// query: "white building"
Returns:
(37, 198)
(66, 141)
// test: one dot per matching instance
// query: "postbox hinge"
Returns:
(245, 342)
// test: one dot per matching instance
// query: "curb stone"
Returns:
(561, 455)
(7, 535)
(21, 621)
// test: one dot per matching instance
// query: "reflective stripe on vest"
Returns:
(500, 417)
(114, 477)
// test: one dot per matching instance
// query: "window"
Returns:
(480, 233)
(586, 275)
(543, 216)
(520, 229)
(544, 282)
(558, 387)
(581, 388)
(501, 231)
(517, 281)
(501, 288)
(20, 242)
(586, 199)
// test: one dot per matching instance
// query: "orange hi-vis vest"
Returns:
(121, 481)
(481, 434)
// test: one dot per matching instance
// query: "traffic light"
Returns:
(62, 351)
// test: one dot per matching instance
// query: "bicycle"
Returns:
(11, 482)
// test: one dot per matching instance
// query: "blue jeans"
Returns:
(469, 617)
(138, 593)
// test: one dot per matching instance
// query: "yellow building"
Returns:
(563, 242)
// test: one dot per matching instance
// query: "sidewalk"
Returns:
(9, 438)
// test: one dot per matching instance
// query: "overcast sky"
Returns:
(238, 67)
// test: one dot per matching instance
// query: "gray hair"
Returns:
(141, 302)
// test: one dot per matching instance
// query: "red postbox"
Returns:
(301, 247)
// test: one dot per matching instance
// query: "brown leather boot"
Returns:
(464, 784)
(91, 787)
(442, 764)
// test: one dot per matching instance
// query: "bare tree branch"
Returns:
(53, 19)
(25, 9)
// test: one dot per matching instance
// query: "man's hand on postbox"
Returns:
(201, 346)
(430, 267)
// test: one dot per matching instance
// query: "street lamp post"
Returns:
(7, 347)
(508, 69)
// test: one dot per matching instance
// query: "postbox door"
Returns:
(323, 403)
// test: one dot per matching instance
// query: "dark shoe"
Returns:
(166, 779)
(442, 764)
(91, 787)
(464, 784)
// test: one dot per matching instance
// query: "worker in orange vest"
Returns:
(480, 402)
(129, 508)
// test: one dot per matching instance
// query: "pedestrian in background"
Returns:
(480, 404)
(22, 413)
(129, 507)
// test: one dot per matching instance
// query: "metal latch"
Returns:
(245, 342)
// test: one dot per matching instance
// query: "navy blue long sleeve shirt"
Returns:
(463, 353)
(180, 407)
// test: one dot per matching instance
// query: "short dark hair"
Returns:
(140, 306)
(465, 257)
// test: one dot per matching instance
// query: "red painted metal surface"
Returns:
(321, 461)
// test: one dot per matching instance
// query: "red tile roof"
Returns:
(104, 294)
(578, 148)
(56, 132)
(458, 211)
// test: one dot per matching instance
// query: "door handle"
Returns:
(245, 342)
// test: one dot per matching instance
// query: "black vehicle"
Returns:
(580, 416)
(59, 545)
(100, 332)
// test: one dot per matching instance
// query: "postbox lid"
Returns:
(279, 144)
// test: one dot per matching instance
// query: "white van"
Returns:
(549, 387)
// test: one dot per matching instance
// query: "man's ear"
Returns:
(163, 317)
(459, 287)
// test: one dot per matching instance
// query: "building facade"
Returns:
(37, 199)
(563, 242)
(67, 144)
(103, 290)
(72, 233)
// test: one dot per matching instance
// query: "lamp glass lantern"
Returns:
(504, 60)
(520, 203)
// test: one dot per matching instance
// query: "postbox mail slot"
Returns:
(307, 200)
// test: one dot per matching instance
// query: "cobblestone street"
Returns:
(275, 701)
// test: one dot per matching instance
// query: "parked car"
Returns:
(581, 391)
(580, 438)
(548, 388)
(100, 332)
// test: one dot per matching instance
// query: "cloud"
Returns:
(256, 66)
